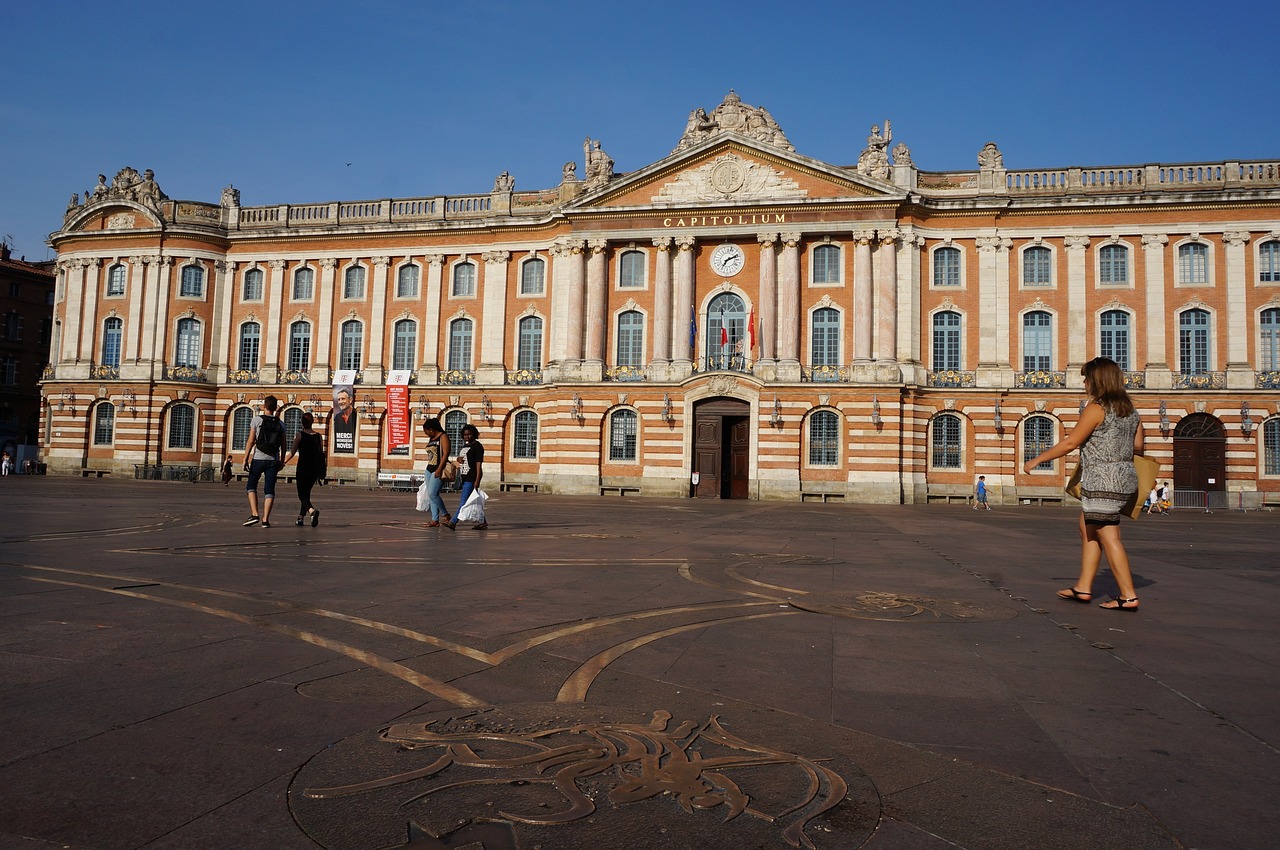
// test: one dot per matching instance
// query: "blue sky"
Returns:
(296, 102)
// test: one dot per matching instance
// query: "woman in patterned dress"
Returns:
(1108, 435)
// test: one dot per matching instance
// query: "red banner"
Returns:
(397, 418)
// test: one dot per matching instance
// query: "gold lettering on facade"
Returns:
(711, 220)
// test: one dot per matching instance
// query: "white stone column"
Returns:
(322, 360)
(863, 310)
(1154, 325)
(376, 363)
(493, 322)
(163, 284)
(1239, 370)
(597, 262)
(910, 333)
(1004, 357)
(682, 353)
(768, 312)
(887, 299)
(662, 301)
(575, 305)
(133, 325)
(988, 344)
(430, 370)
(789, 308)
(1077, 307)
(221, 335)
(77, 345)
(272, 357)
(147, 345)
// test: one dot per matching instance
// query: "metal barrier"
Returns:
(1204, 500)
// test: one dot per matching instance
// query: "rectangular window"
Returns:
(460, 346)
(1193, 263)
(1114, 337)
(622, 436)
(946, 341)
(1193, 341)
(946, 442)
(407, 284)
(1113, 264)
(300, 347)
(631, 339)
(526, 436)
(406, 344)
(104, 424)
(533, 277)
(1036, 268)
(824, 439)
(1037, 342)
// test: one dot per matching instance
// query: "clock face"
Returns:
(727, 260)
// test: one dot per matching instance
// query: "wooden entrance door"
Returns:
(707, 449)
(722, 449)
(1200, 454)
(739, 428)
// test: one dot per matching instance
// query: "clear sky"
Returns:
(297, 101)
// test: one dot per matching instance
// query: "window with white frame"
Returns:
(250, 340)
(1113, 337)
(104, 424)
(304, 284)
(533, 277)
(525, 439)
(630, 338)
(460, 331)
(945, 448)
(292, 420)
(464, 280)
(407, 281)
(824, 438)
(622, 435)
(351, 345)
(529, 342)
(1037, 341)
(1193, 341)
(946, 267)
(353, 283)
(1269, 261)
(824, 348)
(1037, 436)
(300, 346)
(192, 285)
(241, 420)
(946, 341)
(187, 352)
(1269, 348)
(115, 279)
(1113, 264)
(1037, 266)
(631, 270)
(182, 427)
(1271, 447)
(1193, 263)
(404, 346)
(112, 336)
(826, 264)
(252, 285)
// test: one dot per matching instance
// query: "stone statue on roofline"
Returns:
(599, 165)
(733, 116)
(990, 158)
(874, 161)
(128, 185)
(230, 196)
(504, 183)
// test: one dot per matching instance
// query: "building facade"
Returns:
(735, 320)
(26, 325)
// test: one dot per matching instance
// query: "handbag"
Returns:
(449, 472)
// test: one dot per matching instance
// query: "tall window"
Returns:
(464, 280)
(453, 422)
(405, 344)
(252, 285)
(946, 267)
(1269, 351)
(631, 338)
(530, 343)
(182, 427)
(104, 424)
(292, 420)
(192, 282)
(1037, 341)
(241, 419)
(622, 435)
(525, 446)
(112, 334)
(631, 270)
(353, 285)
(946, 441)
(533, 277)
(304, 282)
(726, 326)
(1037, 269)
(946, 340)
(1271, 447)
(824, 438)
(460, 344)
(1113, 337)
(115, 279)
(300, 346)
(188, 350)
(1193, 263)
(1269, 261)
(826, 264)
(250, 337)
(1037, 436)
(352, 345)
(1113, 264)
(1193, 341)
(825, 343)
(407, 281)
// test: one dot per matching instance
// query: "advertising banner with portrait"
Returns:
(398, 412)
(343, 421)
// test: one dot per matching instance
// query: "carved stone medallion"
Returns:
(728, 176)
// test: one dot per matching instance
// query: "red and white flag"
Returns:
(724, 336)
(751, 332)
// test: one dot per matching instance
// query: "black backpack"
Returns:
(270, 436)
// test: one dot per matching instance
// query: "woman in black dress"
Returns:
(309, 447)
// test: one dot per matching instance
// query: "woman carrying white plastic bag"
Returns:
(473, 509)
(470, 473)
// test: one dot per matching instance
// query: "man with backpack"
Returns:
(262, 460)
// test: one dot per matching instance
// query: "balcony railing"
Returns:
(188, 374)
(953, 378)
(457, 377)
(1135, 380)
(243, 376)
(48, 373)
(723, 363)
(626, 373)
(1267, 380)
(101, 372)
(1199, 380)
(1039, 379)
(825, 374)
(523, 377)
(295, 376)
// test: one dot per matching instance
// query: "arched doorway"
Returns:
(722, 448)
(1200, 454)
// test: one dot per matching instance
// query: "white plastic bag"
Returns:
(473, 510)
(424, 504)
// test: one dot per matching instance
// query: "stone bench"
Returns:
(517, 487)
(810, 496)
(949, 493)
(617, 490)
(94, 473)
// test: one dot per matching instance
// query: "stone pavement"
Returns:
(596, 673)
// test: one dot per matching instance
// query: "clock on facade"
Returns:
(727, 260)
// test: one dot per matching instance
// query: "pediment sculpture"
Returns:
(733, 116)
(729, 177)
(128, 185)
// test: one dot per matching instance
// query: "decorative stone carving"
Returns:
(570, 173)
(1040, 405)
(729, 176)
(902, 154)
(722, 384)
(120, 221)
(1077, 243)
(73, 204)
(1235, 237)
(733, 116)
(599, 165)
(129, 185)
(230, 196)
(1155, 241)
(874, 160)
(990, 158)
(504, 182)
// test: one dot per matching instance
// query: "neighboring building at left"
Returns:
(26, 322)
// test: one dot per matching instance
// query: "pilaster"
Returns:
(269, 363)
(376, 361)
(863, 307)
(1154, 325)
(1077, 303)
(683, 349)
(1239, 370)
(221, 338)
(662, 301)
(789, 308)
(595, 323)
(494, 320)
(768, 315)
(133, 325)
(430, 371)
(323, 362)
(76, 344)
(886, 343)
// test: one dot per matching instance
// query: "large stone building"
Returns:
(735, 320)
(26, 324)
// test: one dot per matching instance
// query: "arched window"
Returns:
(464, 280)
(824, 438)
(630, 338)
(1269, 350)
(453, 422)
(182, 427)
(529, 336)
(252, 285)
(304, 282)
(1037, 436)
(104, 424)
(622, 436)
(946, 340)
(525, 445)
(726, 327)
(1113, 337)
(1037, 341)
(1037, 267)
(407, 281)
(112, 335)
(631, 270)
(826, 264)
(460, 344)
(188, 343)
(405, 344)
(300, 346)
(241, 419)
(250, 337)
(353, 287)
(292, 420)
(825, 338)
(1271, 446)
(1193, 341)
(1193, 263)
(946, 267)
(1113, 264)
(533, 277)
(1269, 261)
(192, 282)
(352, 345)
(115, 279)
(946, 441)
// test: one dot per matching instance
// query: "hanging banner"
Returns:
(342, 422)
(398, 412)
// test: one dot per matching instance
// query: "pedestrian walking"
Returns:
(308, 446)
(470, 472)
(437, 462)
(980, 493)
(262, 460)
(226, 471)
